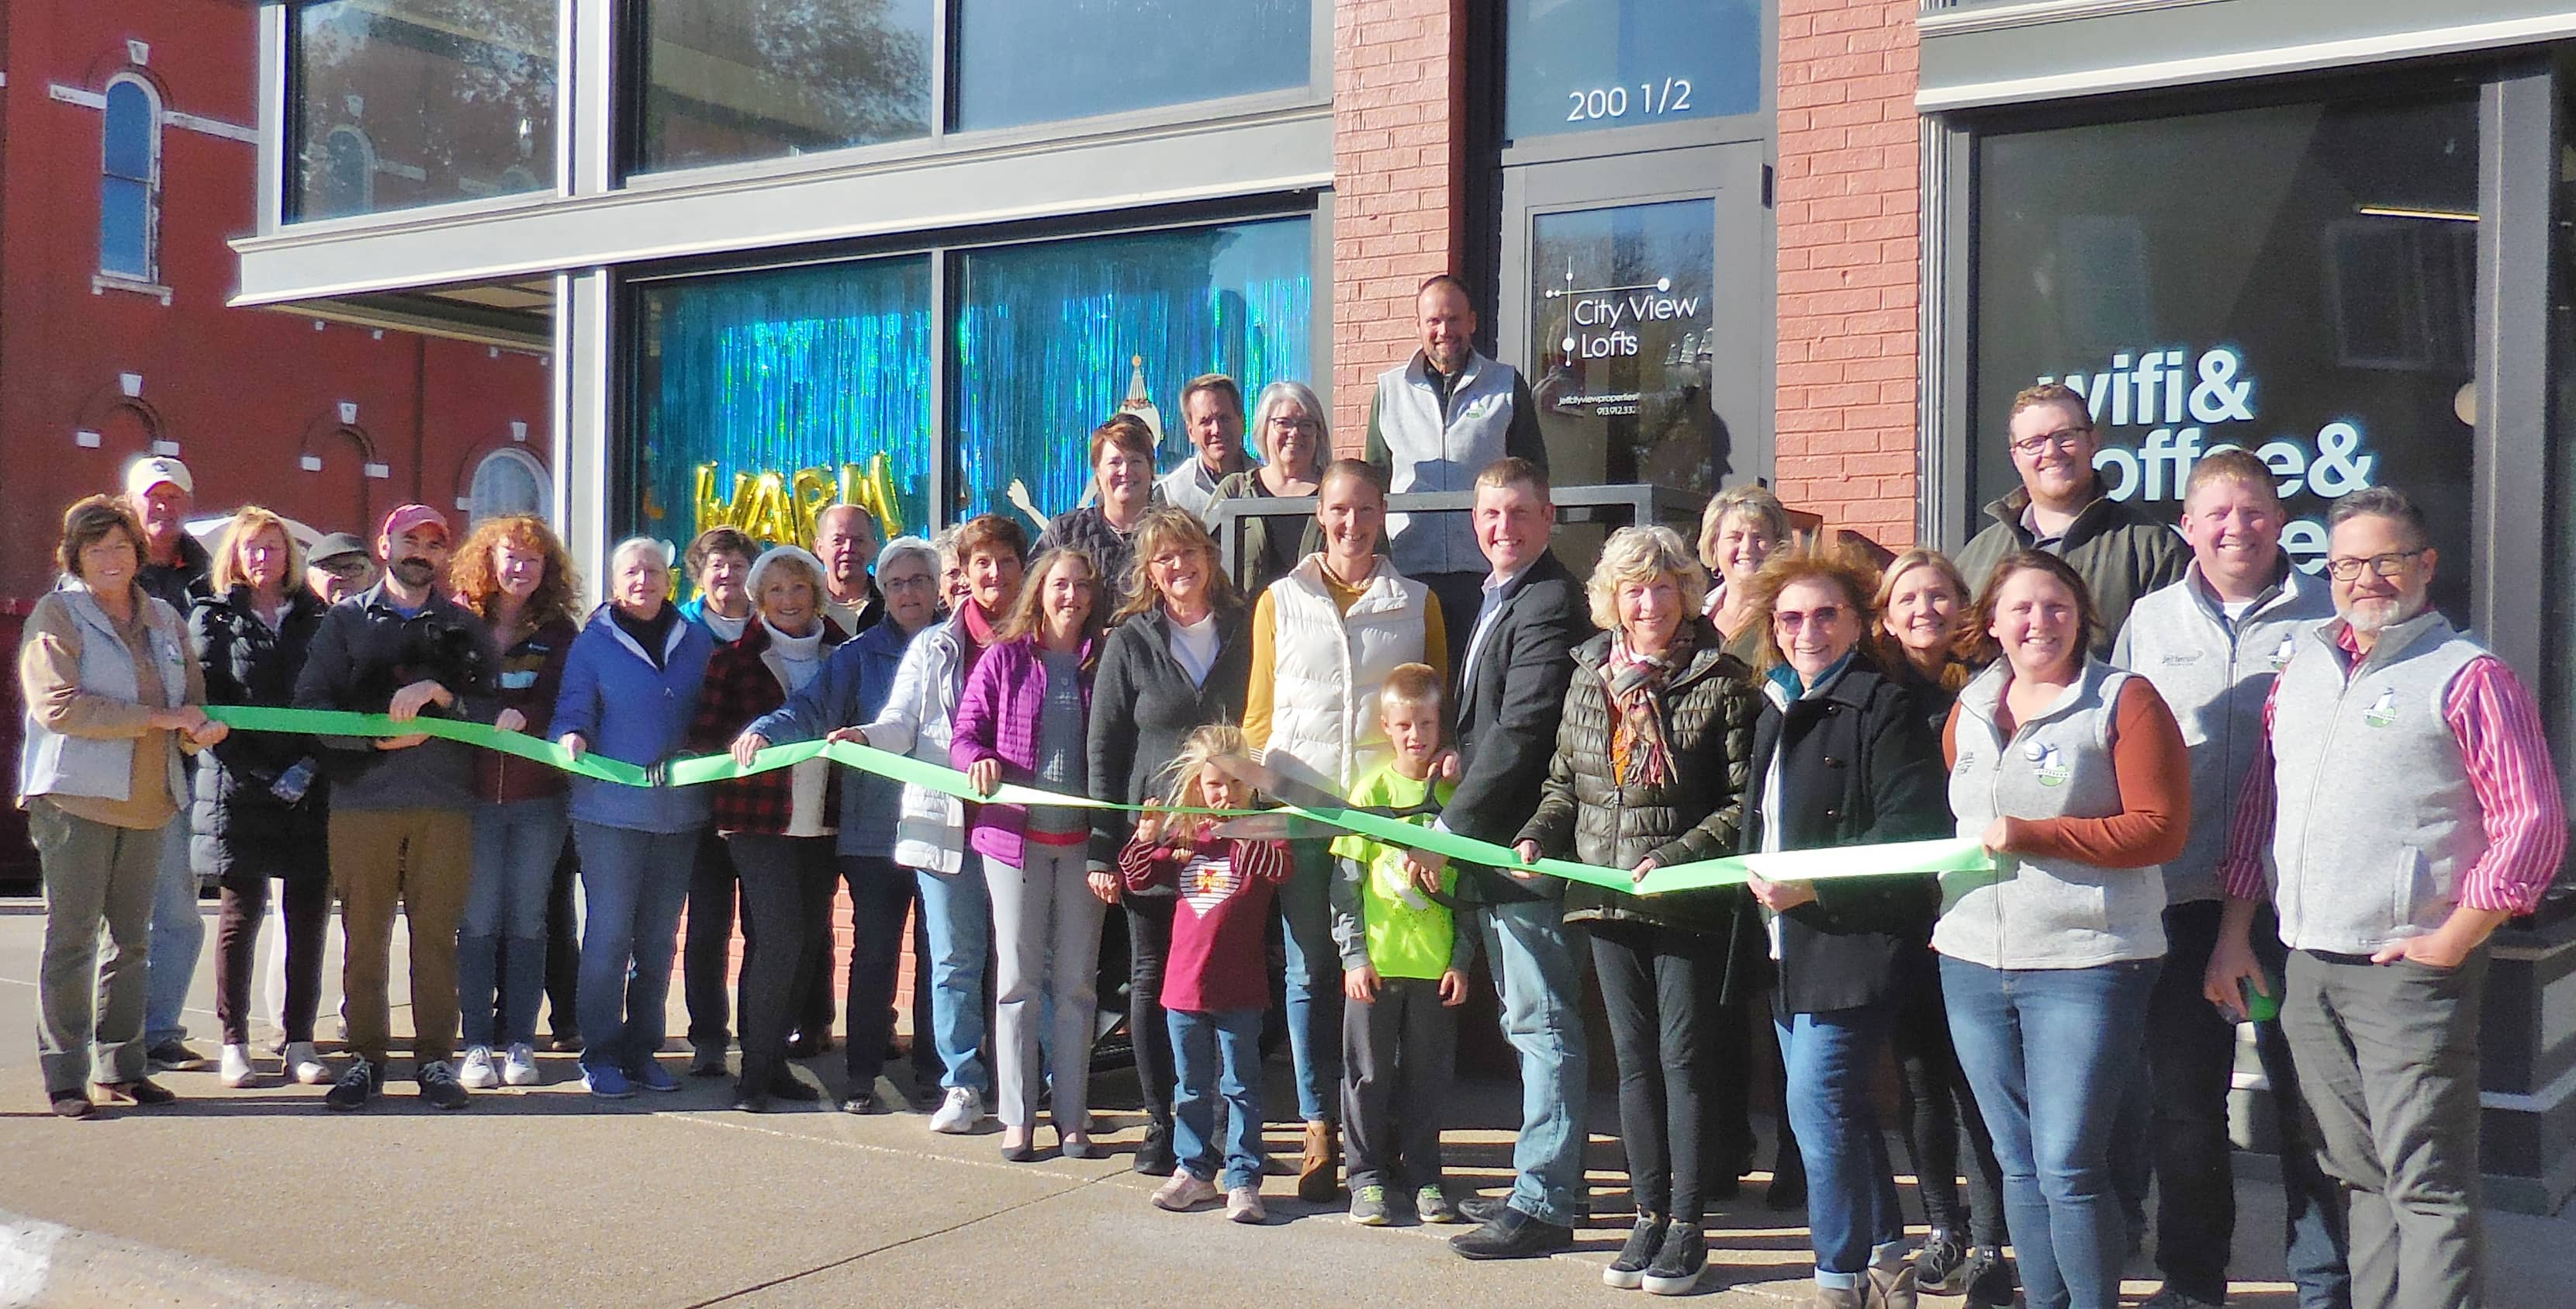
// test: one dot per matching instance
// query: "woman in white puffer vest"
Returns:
(1324, 638)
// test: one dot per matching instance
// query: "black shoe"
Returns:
(751, 1102)
(1989, 1279)
(1788, 1189)
(1154, 1157)
(707, 1061)
(439, 1087)
(784, 1086)
(1513, 1235)
(142, 1092)
(1940, 1266)
(802, 1046)
(356, 1086)
(1680, 1261)
(174, 1057)
(1628, 1271)
(1484, 1208)
(861, 1102)
(567, 1043)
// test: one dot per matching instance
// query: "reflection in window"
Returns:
(1587, 65)
(509, 481)
(453, 99)
(2321, 317)
(129, 181)
(728, 80)
(781, 373)
(1052, 338)
(1622, 330)
(1035, 61)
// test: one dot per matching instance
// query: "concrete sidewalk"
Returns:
(260, 1196)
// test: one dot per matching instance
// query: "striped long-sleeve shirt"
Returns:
(2506, 754)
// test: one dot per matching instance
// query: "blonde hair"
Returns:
(1409, 685)
(1753, 501)
(248, 522)
(1162, 528)
(1891, 652)
(1642, 554)
(1027, 612)
(2232, 464)
(1220, 744)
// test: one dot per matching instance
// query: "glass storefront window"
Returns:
(1051, 339)
(730, 80)
(2295, 280)
(1621, 332)
(403, 103)
(1036, 61)
(763, 396)
(1585, 66)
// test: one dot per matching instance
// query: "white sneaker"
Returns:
(237, 1071)
(305, 1065)
(520, 1068)
(960, 1113)
(477, 1074)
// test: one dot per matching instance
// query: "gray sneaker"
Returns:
(1368, 1205)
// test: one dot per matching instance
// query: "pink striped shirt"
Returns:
(2506, 753)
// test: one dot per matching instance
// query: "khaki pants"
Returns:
(95, 875)
(422, 861)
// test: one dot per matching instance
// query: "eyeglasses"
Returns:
(2064, 438)
(2392, 564)
(909, 582)
(1790, 620)
(1296, 424)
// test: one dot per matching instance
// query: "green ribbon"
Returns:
(1905, 858)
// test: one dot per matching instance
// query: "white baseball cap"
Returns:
(152, 470)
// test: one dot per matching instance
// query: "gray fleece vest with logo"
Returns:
(2044, 913)
(2215, 674)
(2377, 818)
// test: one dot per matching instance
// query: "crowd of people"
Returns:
(2138, 723)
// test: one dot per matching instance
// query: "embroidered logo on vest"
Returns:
(2047, 763)
(2281, 653)
(2383, 711)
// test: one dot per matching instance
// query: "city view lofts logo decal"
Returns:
(2175, 408)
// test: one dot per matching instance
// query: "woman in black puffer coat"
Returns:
(1649, 771)
(260, 809)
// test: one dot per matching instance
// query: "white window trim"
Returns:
(150, 274)
(536, 471)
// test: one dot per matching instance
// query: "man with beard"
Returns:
(845, 539)
(400, 832)
(2404, 797)
(161, 492)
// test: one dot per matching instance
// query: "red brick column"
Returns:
(1848, 195)
(1399, 181)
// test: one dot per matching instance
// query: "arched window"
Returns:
(348, 174)
(129, 188)
(510, 481)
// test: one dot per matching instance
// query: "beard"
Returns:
(2375, 616)
(415, 572)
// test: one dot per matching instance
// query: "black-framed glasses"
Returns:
(2064, 438)
(2391, 564)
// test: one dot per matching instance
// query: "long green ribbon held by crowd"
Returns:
(1947, 856)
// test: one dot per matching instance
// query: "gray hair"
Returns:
(662, 552)
(1642, 554)
(908, 547)
(1283, 391)
(2382, 502)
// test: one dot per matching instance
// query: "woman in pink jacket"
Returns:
(1022, 718)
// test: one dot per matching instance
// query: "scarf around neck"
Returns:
(1640, 754)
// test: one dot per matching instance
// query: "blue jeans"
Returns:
(959, 913)
(515, 848)
(178, 935)
(1852, 1214)
(2049, 1051)
(1537, 963)
(1217, 1055)
(632, 887)
(1314, 977)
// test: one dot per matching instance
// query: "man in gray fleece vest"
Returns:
(2211, 643)
(2406, 802)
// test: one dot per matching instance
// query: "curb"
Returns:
(48, 1264)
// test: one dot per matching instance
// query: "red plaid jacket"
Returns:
(739, 688)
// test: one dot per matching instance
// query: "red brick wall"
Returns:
(1398, 183)
(1847, 195)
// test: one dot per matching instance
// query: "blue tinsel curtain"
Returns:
(1048, 336)
(777, 372)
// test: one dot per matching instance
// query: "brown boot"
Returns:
(1318, 1166)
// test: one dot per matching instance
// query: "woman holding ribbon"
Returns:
(1649, 770)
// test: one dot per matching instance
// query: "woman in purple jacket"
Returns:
(1021, 718)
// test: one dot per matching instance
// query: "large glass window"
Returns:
(439, 100)
(1587, 65)
(1052, 339)
(129, 181)
(1622, 339)
(728, 80)
(763, 396)
(1034, 61)
(2295, 280)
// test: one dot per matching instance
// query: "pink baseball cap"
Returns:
(407, 517)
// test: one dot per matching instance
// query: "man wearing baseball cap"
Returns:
(162, 494)
(400, 831)
(338, 566)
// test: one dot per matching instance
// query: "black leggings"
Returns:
(1939, 1106)
(1149, 948)
(1661, 997)
(787, 884)
(291, 847)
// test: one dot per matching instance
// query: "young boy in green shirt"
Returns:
(1404, 967)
